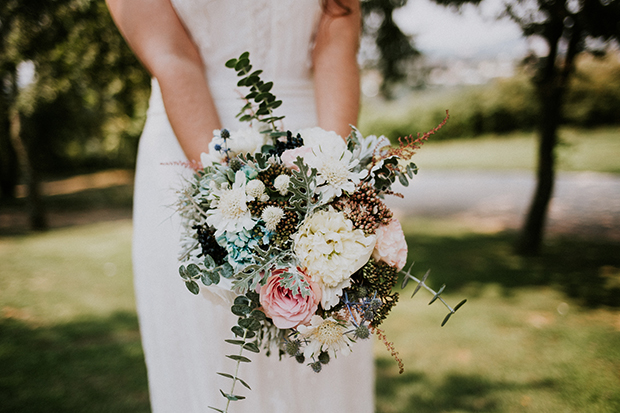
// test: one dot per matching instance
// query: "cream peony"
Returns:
(285, 309)
(391, 246)
(330, 248)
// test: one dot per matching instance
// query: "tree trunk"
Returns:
(9, 168)
(34, 201)
(532, 232)
(551, 87)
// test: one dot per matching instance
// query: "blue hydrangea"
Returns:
(240, 245)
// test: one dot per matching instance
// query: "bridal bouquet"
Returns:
(292, 227)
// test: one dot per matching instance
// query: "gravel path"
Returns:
(584, 202)
(587, 203)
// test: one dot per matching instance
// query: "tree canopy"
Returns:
(568, 27)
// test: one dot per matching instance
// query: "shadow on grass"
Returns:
(94, 365)
(415, 392)
(585, 270)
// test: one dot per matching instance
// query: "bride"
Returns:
(308, 49)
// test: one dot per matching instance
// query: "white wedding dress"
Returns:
(182, 334)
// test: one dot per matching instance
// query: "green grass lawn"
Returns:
(533, 336)
(579, 150)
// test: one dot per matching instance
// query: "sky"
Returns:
(440, 32)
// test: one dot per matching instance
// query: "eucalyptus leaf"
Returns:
(403, 179)
(251, 347)
(232, 397)
(206, 280)
(250, 334)
(258, 315)
(240, 310)
(250, 324)
(239, 358)
(244, 383)
(209, 262)
(242, 300)
(192, 287)
(183, 272)
(193, 270)
(215, 276)
(235, 342)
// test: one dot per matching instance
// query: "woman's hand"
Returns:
(157, 36)
(336, 72)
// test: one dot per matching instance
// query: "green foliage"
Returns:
(500, 107)
(295, 282)
(248, 324)
(209, 273)
(86, 106)
(260, 93)
(265, 260)
(394, 54)
(594, 94)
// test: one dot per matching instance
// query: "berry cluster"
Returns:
(291, 142)
(209, 245)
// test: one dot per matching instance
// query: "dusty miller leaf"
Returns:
(295, 282)
(302, 186)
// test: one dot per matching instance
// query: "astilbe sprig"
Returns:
(390, 347)
(408, 146)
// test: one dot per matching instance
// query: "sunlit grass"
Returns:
(580, 150)
(68, 273)
(534, 350)
(529, 338)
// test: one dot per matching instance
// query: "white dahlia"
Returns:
(229, 210)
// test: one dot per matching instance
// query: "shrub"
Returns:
(501, 106)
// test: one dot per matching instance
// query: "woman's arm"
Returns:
(157, 36)
(336, 73)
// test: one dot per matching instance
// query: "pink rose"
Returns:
(290, 155)
(391, 246)
(285, 309)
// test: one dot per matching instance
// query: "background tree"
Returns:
(569, 28)
(391, 51)
(84, 108)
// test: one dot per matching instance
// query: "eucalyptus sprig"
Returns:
(248, 325)
(436, 294)
(260, 93)
(208, 273)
